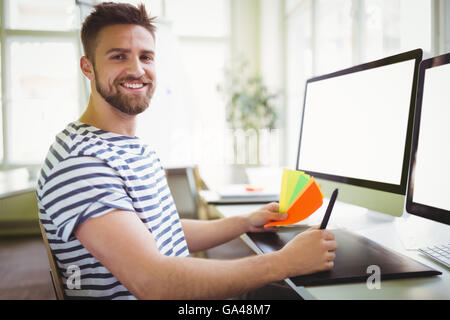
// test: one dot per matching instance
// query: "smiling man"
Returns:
(104, 199)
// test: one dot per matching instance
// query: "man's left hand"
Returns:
(264, 215)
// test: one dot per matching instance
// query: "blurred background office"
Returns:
(258, 51)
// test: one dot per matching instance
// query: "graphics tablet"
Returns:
(353, 256)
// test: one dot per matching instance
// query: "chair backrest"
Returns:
(183, 187)
(54, 273)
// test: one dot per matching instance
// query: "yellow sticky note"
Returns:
(288, 183)
(282, 203)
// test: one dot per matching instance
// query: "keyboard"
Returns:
(440, 253)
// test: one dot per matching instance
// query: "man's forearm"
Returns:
(193, 278)
(201, 235)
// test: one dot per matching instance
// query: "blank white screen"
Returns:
(432, 170)
(355, 125)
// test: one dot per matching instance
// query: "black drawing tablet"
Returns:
(353, 256)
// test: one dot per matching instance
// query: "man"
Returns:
(104, 199)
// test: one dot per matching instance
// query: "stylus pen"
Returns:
(324, 223)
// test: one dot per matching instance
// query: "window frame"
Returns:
(6, 34)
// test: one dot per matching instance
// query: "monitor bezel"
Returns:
(422, 210)
(376, 185)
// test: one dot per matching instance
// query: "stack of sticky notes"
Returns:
(300, 196)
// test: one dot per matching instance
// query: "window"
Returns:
(299, 68)
(325, 36)
(196, 18)
(185, 122)
(394, 26)
(333, 36)
(41, 15)
(43, 88)
(43, 95)
(40, 80)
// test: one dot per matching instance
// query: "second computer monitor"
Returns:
(356, 131)
(429, 183)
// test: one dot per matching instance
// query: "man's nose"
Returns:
(135, 68)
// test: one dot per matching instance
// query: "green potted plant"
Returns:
(249, 103)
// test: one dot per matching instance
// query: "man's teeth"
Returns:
(133, 85)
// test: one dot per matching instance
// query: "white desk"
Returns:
(15, 182)
(18, 203)
(387, 231)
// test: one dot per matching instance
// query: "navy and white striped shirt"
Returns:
(89, 172)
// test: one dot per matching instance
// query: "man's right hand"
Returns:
(309, 252)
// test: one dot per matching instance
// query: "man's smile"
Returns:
(134, 86)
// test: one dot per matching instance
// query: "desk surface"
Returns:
(385, 230)
(14, 182)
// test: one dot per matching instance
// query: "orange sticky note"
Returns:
(252, 188)
(305, 204)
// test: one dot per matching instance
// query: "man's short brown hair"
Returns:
(110, 13)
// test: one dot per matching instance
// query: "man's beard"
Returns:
(131, 104)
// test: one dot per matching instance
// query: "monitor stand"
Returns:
(378, 216)
(348, 216)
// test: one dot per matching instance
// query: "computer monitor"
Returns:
(429, 181)
(356, 131)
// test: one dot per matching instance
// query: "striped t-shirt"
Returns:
(89, 172)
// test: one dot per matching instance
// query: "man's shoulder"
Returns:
(70, 139)
(67, 152)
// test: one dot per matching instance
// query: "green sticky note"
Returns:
(301, 183)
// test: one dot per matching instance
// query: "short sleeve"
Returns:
(80, 188)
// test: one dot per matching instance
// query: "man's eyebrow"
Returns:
(122, 50)
(150, 52)
(118, 50)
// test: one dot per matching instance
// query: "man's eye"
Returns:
(118, 57)
(147, 58)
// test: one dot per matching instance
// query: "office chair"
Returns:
(183, 185)
(54, 273)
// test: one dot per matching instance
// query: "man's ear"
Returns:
(87, 68)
